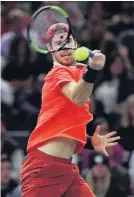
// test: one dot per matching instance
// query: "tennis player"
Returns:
(61, 127)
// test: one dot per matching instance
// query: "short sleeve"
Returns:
(59, 76)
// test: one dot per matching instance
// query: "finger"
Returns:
(105, 152)
(113, 139)
(96, 51)
(112, 144)
(110, 134)
(97, 56)
(97, 130)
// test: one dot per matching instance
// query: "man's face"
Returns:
(64, 57)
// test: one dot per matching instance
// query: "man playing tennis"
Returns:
(61, 127)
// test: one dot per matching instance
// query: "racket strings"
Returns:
(40, 25)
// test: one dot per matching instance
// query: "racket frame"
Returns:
(64, 14)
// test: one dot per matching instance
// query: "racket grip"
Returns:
(91, 54)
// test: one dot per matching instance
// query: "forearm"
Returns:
(81, 92)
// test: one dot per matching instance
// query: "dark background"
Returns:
(107, 26)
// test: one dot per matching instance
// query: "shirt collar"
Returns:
(76, 64)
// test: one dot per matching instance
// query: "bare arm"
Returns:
(81, 91)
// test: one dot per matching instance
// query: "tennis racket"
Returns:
(45, 23)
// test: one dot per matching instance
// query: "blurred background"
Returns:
(107, 26)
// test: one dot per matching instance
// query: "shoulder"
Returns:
(59, 70)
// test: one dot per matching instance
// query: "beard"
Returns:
(65, 59)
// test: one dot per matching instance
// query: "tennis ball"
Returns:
(81, 54)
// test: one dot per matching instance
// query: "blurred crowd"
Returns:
(107, 26)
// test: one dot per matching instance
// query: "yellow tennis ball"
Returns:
(81, 54)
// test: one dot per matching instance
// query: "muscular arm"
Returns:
(79, 92)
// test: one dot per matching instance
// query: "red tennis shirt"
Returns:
(59, 117)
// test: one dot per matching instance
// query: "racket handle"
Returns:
(91, 54)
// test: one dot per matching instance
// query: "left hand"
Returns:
(101, 142)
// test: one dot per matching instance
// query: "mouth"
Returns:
(66, 55)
